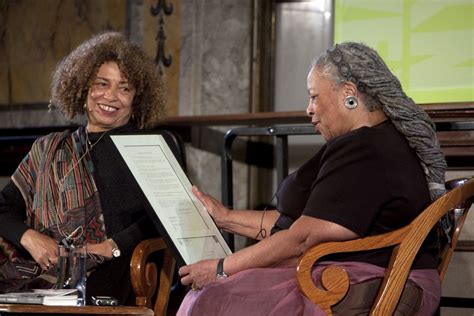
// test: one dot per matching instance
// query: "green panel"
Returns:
(443, 95)
(468, 63)
(428, 44)
(449, 19)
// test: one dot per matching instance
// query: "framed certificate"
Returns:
(180, 217)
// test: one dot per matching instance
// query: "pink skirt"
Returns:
(274, 291)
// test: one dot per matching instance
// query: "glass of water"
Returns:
(71, 273)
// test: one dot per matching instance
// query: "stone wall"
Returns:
(215, 77)
(171, 49)
(37, 34)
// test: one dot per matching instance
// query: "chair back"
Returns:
(458, 215)
(404, 253)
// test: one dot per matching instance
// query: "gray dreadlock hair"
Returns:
(380, 89)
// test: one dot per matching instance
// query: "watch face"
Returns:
(116, 253)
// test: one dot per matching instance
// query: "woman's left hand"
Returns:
(199, 274)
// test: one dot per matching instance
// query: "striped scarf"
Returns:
(56, 181)
(57, 184)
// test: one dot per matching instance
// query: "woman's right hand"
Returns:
(42, 248)
(215, 208)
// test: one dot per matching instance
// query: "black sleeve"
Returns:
(350, 186)
(12, 214)
(126, 218)
(283, 222)
(128, 238)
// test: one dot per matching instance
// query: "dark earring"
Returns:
(350, 102)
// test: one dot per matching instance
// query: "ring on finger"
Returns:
(195, 287)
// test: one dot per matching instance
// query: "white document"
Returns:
(168, 190)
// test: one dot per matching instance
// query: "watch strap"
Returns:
(220, 269)
(115, 248)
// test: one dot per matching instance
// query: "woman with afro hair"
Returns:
(66, 175)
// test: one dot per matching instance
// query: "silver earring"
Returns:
(350, 102)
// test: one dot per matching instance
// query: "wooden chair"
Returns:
(144, 274)
(406, 242)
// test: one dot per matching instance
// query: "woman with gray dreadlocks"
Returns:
(380, 168)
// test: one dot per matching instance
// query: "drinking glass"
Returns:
(71, 273)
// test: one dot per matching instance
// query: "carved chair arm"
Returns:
(144, 274)
(334, 279)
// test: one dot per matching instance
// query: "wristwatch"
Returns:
(220, 274)
(115, 248)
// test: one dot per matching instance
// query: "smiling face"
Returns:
(109, 100)
(326, 106)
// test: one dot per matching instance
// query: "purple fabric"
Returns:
(274, 291)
